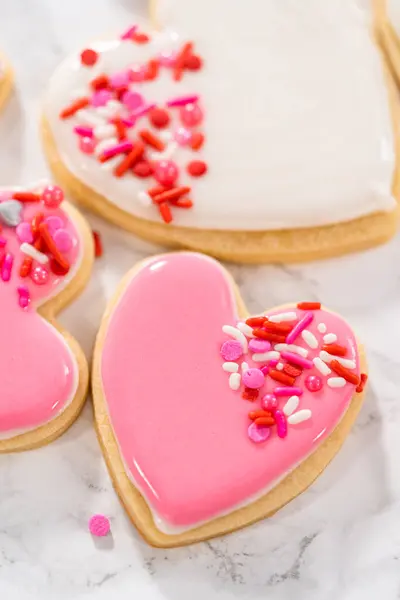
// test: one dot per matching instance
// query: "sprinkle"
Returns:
(6, 267)
(287, 391)
(89, 57)
(155, 190)
(267, 335)
(193, 62)
(327, 357)
(281, 425)
(264, 356)
(292, 370)
(98, 244)
(87, 117)
(256, 321)
(265, 370)
(269, 402)
(37, 219)
(321, 327)
(152, 140)
(282, 328)
(299, 417)
(291, 405)
(335, 349)
(250, 394)
(363, 381)
(292, 348)
(313, 383)
(127, 35)
(83, 131)
(279, 366)
(159, 117)
(182, 100)
(253, 378)
(74, 107)
(100, 82)
(298, 360)
(153, 67)
(256, 414)
(26, 197)
(281, 377)
(330, 338)
(103, 132)
(286, 316)
(257, 433)
(165, 212)
(309, 339)
(336, 382)
(230, 367)
(31, 251)
(171, 195)
(197, 140)
(142, 169)
(234, 381)
(265, 421)
(197, 168)
(256, 345)
(245, 367)
(3, 242)
(343, 372)
(49, 242)
(99, 525)
(120, 148)
(129, 160)
(24, 296)
(237, 335)
(139, 38)
(309, 305)
(24, 232)
(321, 366)
(231, 350)
(180, 61)
(120, 128)
(26, 267)
(298, 329)
(245, 329)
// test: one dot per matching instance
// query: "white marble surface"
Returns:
(341, 539)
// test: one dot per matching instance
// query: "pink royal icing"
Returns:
(38, 371)
(183, 435)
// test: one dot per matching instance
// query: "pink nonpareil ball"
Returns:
(166, 172)
(52, 196)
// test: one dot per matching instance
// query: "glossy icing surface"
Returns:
(182, 432)
(297, 122)
(39, 373)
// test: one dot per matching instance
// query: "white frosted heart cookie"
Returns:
(388, 25)
(46, 257)
(210, 420)
(253, 147)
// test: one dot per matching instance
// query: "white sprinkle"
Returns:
(86, 117)
(291, 405)
(321, 366)
(292, 348)
(279, 366)
(144, 198)
(103, 132)
(111, 109)
(321, 328)
(309, 339)
(336, 382)
(330, 338)
(271, 355)
(246, 329)
(234, 381)
(237, 335)
(245, 367)
(287, 316)
(299, 417)
(230, 367)
(33, 253)
(346, 362)
(104, 144)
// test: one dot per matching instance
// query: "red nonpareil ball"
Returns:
(197, 168)
(89, 57)
(159, 117)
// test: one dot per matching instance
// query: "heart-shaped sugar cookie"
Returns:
(180, 383)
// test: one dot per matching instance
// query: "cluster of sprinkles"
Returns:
(132, 136)
(272, 343)
(44, 242)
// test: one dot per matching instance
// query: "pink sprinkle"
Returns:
(297, 329)
(272, 363)
(264, 370)
(167, 59)
(256, 345)
(231, 350)
(40, 275)
(3, 242)
(99, 525)
(297, 359)
(6, 267)
(182, 100)
(253, 379)
(120, 80)
(313, 383)
(53, 223)
(63, 240)
(182, 136)
(24, 232)
(288, 391)
(24, 296)
(129, 33)
(117, 149)
(281, 424)
(269, 402)
(258, 433)
(100, 98)
(132, 100)
(127, 122)
(142, 111)
(84, 131)
(87, 145)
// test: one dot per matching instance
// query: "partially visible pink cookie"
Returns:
(210, 420)
(46, 254)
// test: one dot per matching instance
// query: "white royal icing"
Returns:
(297, 120)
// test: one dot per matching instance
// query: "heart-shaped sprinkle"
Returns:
(10, 212)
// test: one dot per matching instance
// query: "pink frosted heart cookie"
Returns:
(44, 372)
(257, 148)
(210, 420)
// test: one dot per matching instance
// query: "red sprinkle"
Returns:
(309, 305)
(335, 349)
(26, 267)
(52, 248)
(89, 57)
(37, 219)
(197, 140)
(283, 328)
(250, 394)
(58, 269)
(159, 117)
(142, 169)
(74, 107)
(193, 62)
(181, 60)
(155, 190)
(26, 197)
(129, 160)
(152, 70)
(256, 321)
(98, 244)
(100, 82)
(343, 372)
(255, 414)
(363, 381)
(152, 140)
(170, 195)
(165, 212)
(140, 38)
(291, 370)
(197, 168)
(271, 337)
(183, 203)
(281, 377)
(265, 421)
(121, 128)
